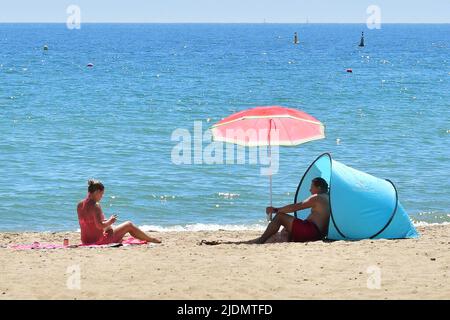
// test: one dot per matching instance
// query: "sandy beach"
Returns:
(180, 268)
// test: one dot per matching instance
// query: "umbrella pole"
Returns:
(270, 182)
(270, 178)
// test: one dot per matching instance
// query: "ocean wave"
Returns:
(201, 227)
(228, 195)
(239, 227)
(205, 227)
(429, 224)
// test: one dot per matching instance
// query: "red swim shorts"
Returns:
(304, 231)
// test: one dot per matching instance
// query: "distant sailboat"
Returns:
(296, 38)
(361, 43)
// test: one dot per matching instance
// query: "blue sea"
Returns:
(62, 122)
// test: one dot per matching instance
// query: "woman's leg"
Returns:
(281, 219)
(128, 227)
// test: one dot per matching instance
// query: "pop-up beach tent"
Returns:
(362, 206)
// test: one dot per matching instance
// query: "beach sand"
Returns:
(181, 269)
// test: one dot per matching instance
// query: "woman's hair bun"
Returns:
(94, 185)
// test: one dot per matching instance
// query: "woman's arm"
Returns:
(99, 222)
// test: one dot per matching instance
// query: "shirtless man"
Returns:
(314, 228)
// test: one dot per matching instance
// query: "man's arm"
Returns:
(308, 203)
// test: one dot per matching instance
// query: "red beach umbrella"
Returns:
(268, 126)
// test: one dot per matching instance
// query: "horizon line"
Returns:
(207, 22)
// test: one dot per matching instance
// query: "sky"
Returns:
(226, 11)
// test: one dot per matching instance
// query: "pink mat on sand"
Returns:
(38, 245)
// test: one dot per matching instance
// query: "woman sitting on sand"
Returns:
(95, 229)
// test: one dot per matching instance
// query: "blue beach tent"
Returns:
(362, 206)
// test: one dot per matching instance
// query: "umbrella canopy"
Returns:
(268, 126)
(272, 125)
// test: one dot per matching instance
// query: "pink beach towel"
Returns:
(37, 245)
(126, 242)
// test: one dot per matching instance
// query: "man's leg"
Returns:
(281, 219)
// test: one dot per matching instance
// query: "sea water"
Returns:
(62, 122)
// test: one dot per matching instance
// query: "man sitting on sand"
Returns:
(314, 228)
(95, 229)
